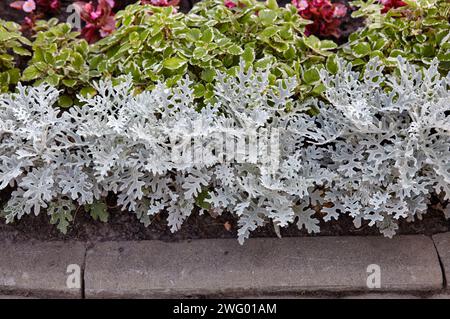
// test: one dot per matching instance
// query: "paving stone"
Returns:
(381, 296)
(440, 296)
(40, 268)
(289, 297)
(442, 243)
(221, 267)
(4, 297)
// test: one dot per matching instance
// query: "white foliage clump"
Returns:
(376, 151)
(388, 141)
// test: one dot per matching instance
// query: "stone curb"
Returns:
(307, 267)
(40, 268)
(442, 243)
(221, 267)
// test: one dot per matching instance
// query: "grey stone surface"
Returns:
(440, 296)
(3, 297)
(381, 296)
(221, 267)
(39, 268)
(442, 243)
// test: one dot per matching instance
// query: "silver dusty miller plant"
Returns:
(376, 151)
(387, 138)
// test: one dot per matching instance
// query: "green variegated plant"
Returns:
(156, 44)
(12, 44)
(60, 58)
(419, 32)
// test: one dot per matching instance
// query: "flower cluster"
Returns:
(325, 15)
(36, 5)
(36, 9)
(99, 19)
(391, 4)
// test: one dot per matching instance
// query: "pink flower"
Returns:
(29, 6)
(42, 6)
(230, 4)
(95, 14)
(319, 3)
(301, 4)
(100, 21)
(54, 4)
(340, 10)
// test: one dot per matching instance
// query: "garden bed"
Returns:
(123, 226)
(92, 131)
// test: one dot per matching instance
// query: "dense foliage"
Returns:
(158, 44)
(154, 44)
(419, 32)
(60, 59)
(11, 43)
(361, 129)
(326, 16)
(375, 154)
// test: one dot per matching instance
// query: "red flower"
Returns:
(390, 4)
(326, 16)
(230, 4)
(99, 20)
(52, 5)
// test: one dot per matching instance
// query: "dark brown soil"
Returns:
(125, 226)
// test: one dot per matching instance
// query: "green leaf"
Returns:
(69, 83)
(272, 4)
(267, 17)
(174, 63)
(361, 49)
(62, 220)
(4, 35)
(395, 53)
(200, 53)
(14, 75)
(31, 73)
(332, 65)
(248, 55)
(88, 92)
(290, 53)
(199, 90)
(208, 35)
(21, 51)
(235, 50)
(208, 75)
(328, 45)
(98, 211)
(264, 62)
(53, 79)
(311, 76)
(65, 101)
(200, 200)
(61, 214)
(78, 61)
(267, 33)
(134, 39)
